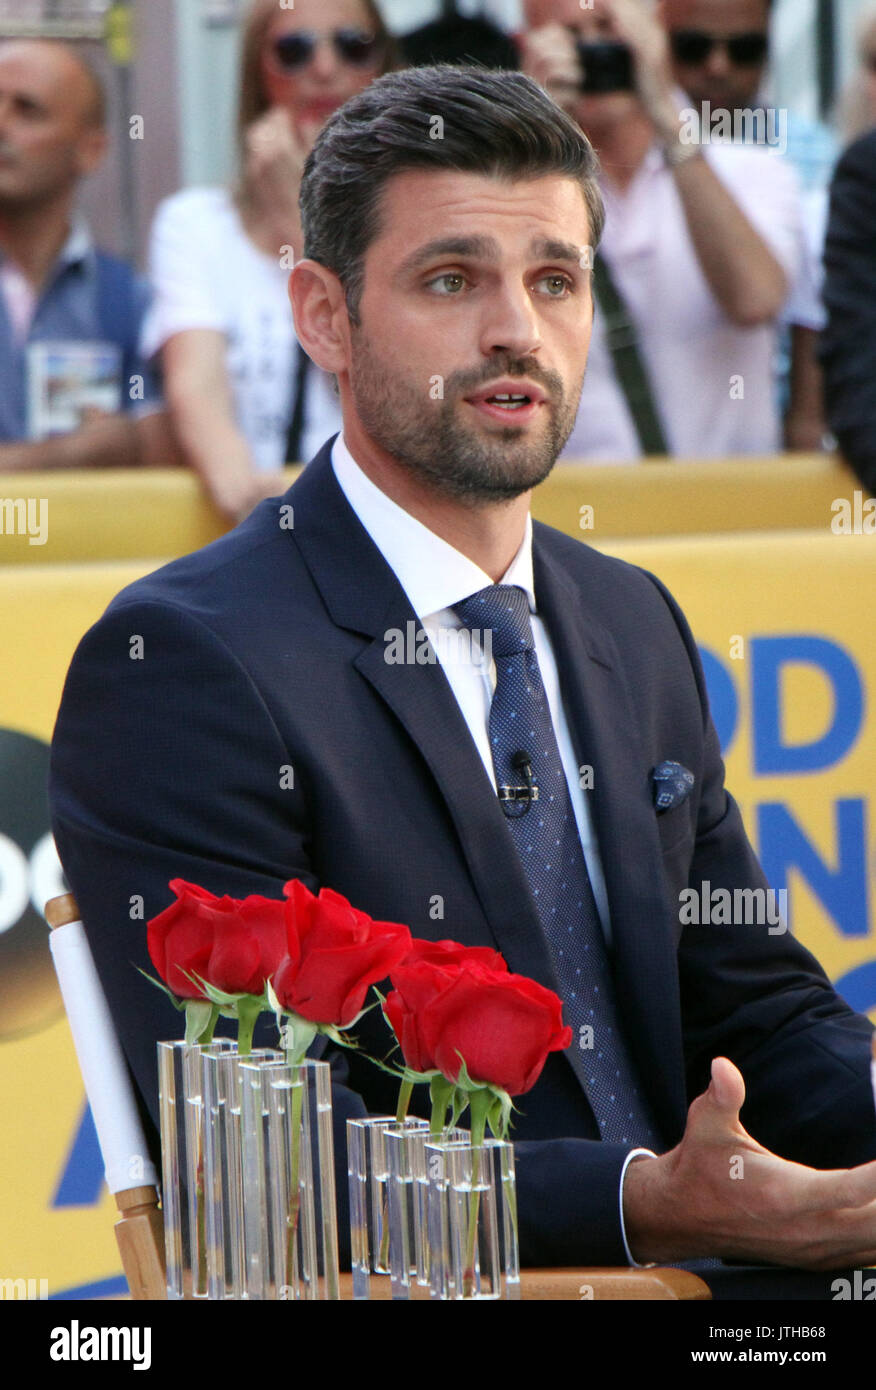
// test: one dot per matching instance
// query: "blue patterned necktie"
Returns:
(541, 821)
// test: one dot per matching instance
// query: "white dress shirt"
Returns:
(435, 575)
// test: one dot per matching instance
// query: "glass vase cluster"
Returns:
(436, 1216)
(247, 1174)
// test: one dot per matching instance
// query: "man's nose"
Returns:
(510, 324)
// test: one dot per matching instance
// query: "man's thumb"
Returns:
(727, 1088)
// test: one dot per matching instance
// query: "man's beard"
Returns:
(432, 443)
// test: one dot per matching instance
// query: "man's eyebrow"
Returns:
(24, 98)
(483, 248)
(486, 248)
(546, 249)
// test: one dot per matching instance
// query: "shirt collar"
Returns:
(78, 246)
(79, 243)
(433, 574)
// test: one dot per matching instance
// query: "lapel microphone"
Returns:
(516, 801)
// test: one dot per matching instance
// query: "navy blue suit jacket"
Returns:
(267, 649)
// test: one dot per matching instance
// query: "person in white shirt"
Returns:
(220, 259)
(703, 241)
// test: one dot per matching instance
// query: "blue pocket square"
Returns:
(672, 784)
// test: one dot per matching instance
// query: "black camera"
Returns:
(606, 66)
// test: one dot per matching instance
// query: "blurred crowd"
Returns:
(735, 285)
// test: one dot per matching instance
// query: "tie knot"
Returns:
(504, 610)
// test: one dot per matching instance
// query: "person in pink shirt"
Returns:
(703, 242)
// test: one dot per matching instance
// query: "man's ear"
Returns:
(319, 307)
(91, 148)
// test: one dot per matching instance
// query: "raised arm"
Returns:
(199, 399)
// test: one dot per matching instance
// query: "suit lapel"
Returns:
(606, 737)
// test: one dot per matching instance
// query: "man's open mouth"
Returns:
(508, 398)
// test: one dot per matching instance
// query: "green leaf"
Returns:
(199, 1015)
(463, 1080)
(401, 1073)
(177, 1003)
(296, 1035)
(342, 1039)
(499, 1113)
(218, 996)
(459, 1105)
(274, 1004)
(362, 1012)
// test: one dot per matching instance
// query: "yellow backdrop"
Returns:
(785, 620)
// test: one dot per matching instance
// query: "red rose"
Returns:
(334, 953)
(449, 953)
(234, 944)
(503, 1026)
(426, 971)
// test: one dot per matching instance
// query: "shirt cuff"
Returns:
(633, 1153)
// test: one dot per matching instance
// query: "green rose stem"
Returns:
(479, 1103)
(404, 1099)
(194, 1014)
(294, 1195)
(248, 1009)
(298, 1033)
(202, 1228)
(441, 1094)
(401, 1111)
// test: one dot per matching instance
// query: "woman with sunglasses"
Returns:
(220, 258)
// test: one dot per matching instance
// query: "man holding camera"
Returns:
(701, 246)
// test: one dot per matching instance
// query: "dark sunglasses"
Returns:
(355, 46)
(692, 46)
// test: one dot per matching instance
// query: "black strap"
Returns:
(632, 376)
(296, 424)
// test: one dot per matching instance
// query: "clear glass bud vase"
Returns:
(223, 1178)
(183, 1175)
(290, 1236)
(367, 1174)
(472, 1220)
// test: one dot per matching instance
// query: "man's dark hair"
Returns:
(499, 124)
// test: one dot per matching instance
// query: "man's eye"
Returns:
(448, 284)
(557, 285)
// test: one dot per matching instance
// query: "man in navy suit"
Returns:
(450, 217)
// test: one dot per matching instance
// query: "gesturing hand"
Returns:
(719, 1192)
(548, 55)
(635, 25)
(275, 154)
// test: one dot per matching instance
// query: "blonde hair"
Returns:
(252, 101)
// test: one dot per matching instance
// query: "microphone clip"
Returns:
(516, 801)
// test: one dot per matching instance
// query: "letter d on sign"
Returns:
(770, 656)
